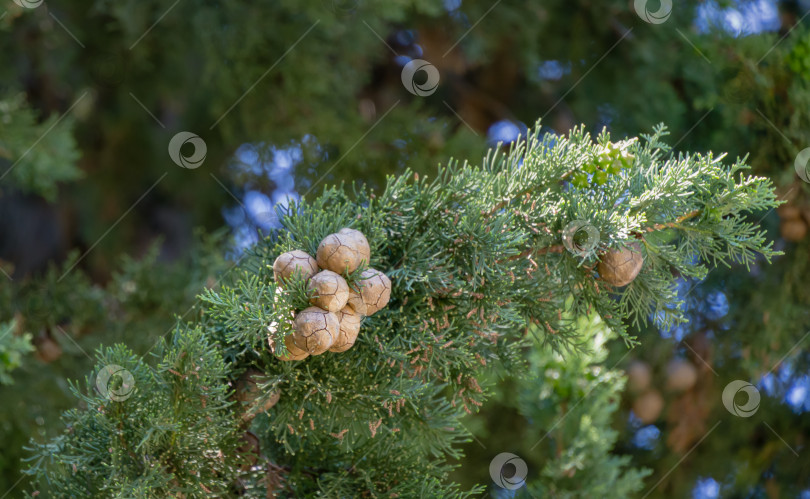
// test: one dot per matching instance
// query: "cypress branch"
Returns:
(480, 278)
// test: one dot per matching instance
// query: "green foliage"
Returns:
(64, 306)
(171, 434)
(562, 427)
(476, 261)
(38, 155)
(337, 95)
(578, 411)
(12, 350)
(799, 56)
(610, 159)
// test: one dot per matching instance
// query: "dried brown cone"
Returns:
(344, 251)
(330, 291)
(291, 262)
(620, 267)
(349, 329)
(293, 352)
(360, 243)
(315, 330)
(375, 289)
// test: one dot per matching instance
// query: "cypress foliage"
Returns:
(481, 276)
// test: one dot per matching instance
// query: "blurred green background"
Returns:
(104, 238)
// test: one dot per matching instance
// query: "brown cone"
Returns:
(293, 261)
(329, 291)
(375, 288)
(343, 252)
(349, 329)
(620, 267)
(315, 330)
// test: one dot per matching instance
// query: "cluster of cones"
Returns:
(333, 321)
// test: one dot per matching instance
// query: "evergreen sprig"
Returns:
(35, 169)
(480, 276)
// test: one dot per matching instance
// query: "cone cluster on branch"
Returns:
(333, 320)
